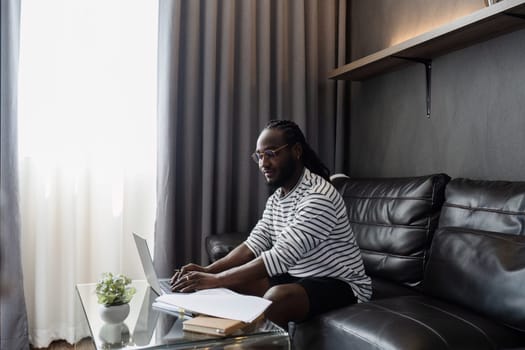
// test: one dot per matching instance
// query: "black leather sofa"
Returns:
(447, 261)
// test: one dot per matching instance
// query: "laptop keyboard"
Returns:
(165, 286)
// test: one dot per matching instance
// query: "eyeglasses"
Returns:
(269, 154)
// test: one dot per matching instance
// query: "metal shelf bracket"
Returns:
(428, 73)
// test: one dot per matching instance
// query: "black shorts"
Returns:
(324, 293)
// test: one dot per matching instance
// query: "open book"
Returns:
(217, 302)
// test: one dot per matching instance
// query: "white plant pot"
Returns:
(113, 314)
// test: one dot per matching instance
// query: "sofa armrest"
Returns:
(220, 245)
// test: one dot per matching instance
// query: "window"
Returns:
(87, 148)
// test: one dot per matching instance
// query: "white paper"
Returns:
(218, 302)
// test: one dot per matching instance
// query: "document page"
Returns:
(218, 302)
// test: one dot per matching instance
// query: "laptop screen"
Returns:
(147, 263)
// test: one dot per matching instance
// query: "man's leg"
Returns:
(301, 298)
(289, 303)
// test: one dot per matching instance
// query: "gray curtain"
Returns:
(13, 318)
(226, 67)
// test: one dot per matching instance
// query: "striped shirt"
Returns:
(306, 233)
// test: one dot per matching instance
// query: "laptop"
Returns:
(160, 286)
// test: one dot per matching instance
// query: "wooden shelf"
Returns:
(489, 22)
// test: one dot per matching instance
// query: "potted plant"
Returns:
(114, 293)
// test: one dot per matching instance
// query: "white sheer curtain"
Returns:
(87, 138)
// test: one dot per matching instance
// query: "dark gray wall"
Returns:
(377, 24)
(477, 127)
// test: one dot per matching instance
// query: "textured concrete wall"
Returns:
(477, 127)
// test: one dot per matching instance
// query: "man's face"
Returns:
(277, 170)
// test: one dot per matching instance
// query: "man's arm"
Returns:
(196, 280)
(258, 241)
(314, 220)
(238, 256)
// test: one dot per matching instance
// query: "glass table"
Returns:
(149, 328)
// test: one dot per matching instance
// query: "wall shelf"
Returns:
(501, 18)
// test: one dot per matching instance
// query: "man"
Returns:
(302, 253)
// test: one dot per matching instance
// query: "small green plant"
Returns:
(114, 290)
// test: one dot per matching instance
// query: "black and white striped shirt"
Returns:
(306, 233)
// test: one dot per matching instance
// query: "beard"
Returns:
(284, 175)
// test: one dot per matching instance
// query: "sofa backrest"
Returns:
(393, 220)
(477, 258)
(496, 206)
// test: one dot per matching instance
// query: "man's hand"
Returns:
(184, 270)
(195, 280)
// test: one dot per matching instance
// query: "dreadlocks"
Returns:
(294, 135)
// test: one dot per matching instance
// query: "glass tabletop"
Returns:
(148, 328)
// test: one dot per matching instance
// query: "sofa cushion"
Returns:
(405, 322)
(497, 206)
(382, 288)
(393, 220)
(481, 270)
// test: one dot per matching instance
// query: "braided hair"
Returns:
(293, 135)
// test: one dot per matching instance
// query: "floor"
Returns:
(84, 344)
